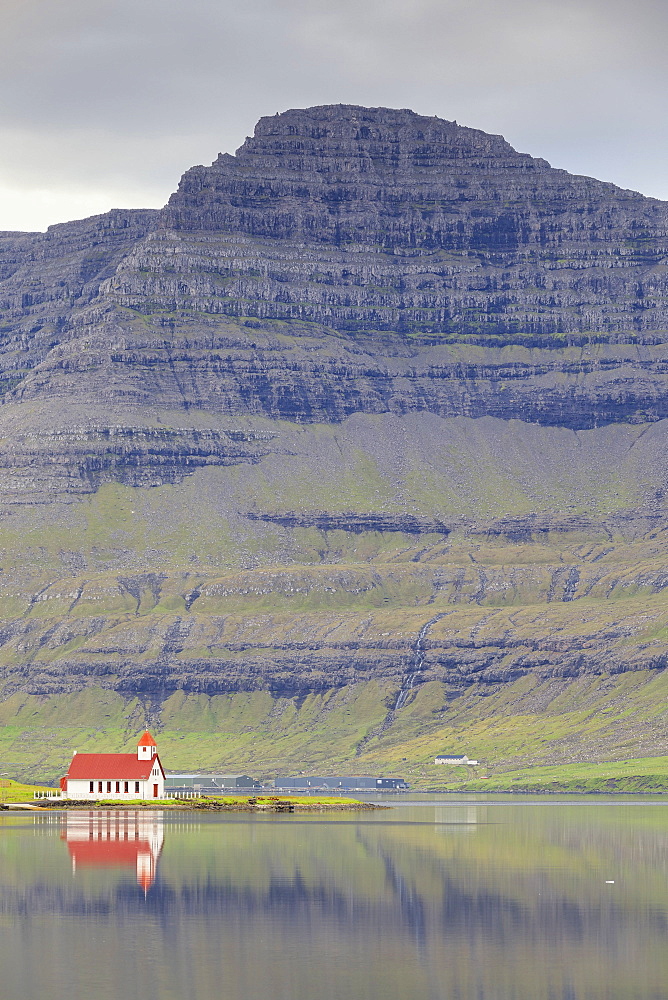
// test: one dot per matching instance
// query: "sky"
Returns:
(105, 103)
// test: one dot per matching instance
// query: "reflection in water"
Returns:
(467, 815)
(116, 839)
(463, 901)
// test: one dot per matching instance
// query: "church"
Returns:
(120, 776)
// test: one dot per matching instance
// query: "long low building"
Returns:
(211, 783)
(350, 783)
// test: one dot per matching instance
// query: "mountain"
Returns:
(352, 453)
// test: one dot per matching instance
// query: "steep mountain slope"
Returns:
(374, 405)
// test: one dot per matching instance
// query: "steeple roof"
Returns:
(146, 740)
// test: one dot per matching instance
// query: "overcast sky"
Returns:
(105, 103)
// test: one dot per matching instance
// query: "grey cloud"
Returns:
(125, 95)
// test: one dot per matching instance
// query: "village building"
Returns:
(121, 776)
(348, 783)
(452, 758)
(209, 784)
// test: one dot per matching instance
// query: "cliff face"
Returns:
(376, 366)
(45, 277)
(354, 260)
(385, 220)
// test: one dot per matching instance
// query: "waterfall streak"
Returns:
(407, 682)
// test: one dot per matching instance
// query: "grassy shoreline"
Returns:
(227, 803)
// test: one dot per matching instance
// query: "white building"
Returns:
(121, 776)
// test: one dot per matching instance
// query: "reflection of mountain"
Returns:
(118, 839)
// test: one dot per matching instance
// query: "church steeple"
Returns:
(146, 748)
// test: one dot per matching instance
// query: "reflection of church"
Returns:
(127, 838)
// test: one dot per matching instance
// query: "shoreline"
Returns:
(228, 804)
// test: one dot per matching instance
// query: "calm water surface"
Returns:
(435, 898)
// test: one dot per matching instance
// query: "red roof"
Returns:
(111, 766)
(146, 740)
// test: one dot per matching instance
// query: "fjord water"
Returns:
(436, 898)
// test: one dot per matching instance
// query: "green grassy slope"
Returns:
(251, 644)
(516, 727)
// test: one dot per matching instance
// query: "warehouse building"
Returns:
(210, 784)
(349, 783)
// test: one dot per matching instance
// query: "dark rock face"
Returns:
(386, 220)
(378, 177)
(356, 523)
(45, 277)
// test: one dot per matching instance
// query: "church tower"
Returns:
(146, 748)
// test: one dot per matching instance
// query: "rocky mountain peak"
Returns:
(342, 174)
(386, 138)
